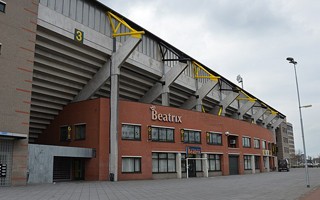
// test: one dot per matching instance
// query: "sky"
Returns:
(251, 38)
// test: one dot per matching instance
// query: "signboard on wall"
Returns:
(193, 150)
(265, 152)
(164, 117)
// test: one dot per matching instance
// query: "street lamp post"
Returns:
(291, 60)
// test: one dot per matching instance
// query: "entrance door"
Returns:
(233, 165)
(78, 169)
(192, 168)
(62, 169)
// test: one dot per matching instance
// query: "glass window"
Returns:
(163, 162)
(131, 132)
(2, 7)
(64, 133)
(264, 144)
(131, 165)
(192, 136)
(198, 163)
(80, 132)
(214, 162)
(247, 162)
(214, 138)
(246, 142)
(162, 134)
(256, 143)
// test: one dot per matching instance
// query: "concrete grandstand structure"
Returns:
(57, 54)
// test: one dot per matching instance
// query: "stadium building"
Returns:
(88, 94)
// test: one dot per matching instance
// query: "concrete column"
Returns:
(178, 165)
(253, 164)
(165, 96)
(199, 105)
(267, 164)
(205, 166)
(114, 119)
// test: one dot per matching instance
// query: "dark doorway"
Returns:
(62, 169)
(233, 165)
(78, 169)
(67, 169)
(192, 168)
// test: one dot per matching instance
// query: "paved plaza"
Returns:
(265, 186)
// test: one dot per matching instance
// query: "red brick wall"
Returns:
(139, 113)
(95, 113)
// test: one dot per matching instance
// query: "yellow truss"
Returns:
(198, 67)
(273, 112)
(248, 98)
(133, 32)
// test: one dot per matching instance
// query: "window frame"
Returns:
(158, 134)
(75, 131)
(166, 159)
(264, 144)
(246, 142)
(139, 158)
(194, 136)
(213, 157)
(210, 140)
(254, 143)
(247, 162)
(134, 131)
(4, 4)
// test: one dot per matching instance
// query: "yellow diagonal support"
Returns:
(133, 32)
(198, 67)
(248, 98)
(273, 112)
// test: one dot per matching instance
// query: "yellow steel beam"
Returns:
(203, 110)
(198, 67)
(248, 98)
(220, 111)
(273, 112)
(133, 32)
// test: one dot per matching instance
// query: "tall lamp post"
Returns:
(291, 60)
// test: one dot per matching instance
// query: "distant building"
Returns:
(292, 150)
(285, 141)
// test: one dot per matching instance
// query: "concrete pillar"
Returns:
(275, 162)
(199, 105)
(267, 164)
(253, 164)
(114, 119)
(165, 96)
(178, 165)
(205, 166)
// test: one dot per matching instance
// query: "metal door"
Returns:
(233, 165)
(6, 148)
(78, 169)
(62, 168)
(192, 168)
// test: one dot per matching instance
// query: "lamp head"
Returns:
(291, 60)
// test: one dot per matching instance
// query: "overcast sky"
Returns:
(251, 38)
